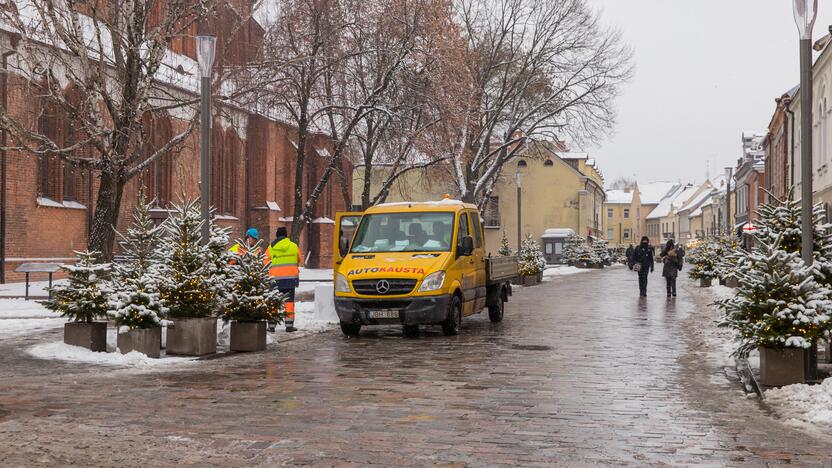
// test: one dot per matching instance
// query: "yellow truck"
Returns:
(416, 264)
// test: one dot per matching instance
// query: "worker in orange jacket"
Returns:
(284, 271)
(250, 240)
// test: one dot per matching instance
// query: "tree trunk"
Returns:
(107, 206)
(297, 211)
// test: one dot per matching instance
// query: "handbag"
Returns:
(637, 267)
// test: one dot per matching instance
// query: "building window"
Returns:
(549, 163)
(158, 177)
(548, 247)
(626, 234)
(626, 213)
(522, 163)
(609, 233)
(609, 212)
(224, 170)
(491, 217)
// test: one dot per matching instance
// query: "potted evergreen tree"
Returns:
(779, 308)
(531, 261)
(187, 289)
(251, 302)
(135, 305)
(83, 300)
(704, 262)
(505, 249)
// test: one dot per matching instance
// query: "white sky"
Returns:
(705, 71)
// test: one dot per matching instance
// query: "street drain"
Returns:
(531, 347)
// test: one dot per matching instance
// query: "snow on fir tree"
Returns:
(531, 258)
(250, 297)
(135, 301)
(187, 287)
(600, 249)
(505, 248)
(704, 259)
(84, 297)
(219, 260)
(572, 248)
(778, 303)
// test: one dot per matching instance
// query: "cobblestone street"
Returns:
(581, 372)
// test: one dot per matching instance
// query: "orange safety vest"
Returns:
(284, 257)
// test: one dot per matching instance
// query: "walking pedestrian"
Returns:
(672, 259)
(285, 260)
(643, 262)
(629, 253)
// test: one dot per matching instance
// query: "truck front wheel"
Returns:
(350, 329)
(451, 324)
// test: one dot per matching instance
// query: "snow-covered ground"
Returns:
(19, 317)
(59, 351)
(807, 404)
(36, 288)
(564, 270)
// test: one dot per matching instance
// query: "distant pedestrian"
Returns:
(643, 262)
(629, 253)
(672, 257)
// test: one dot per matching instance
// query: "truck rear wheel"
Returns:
(350, 329)
(450, 326)
(495, 312)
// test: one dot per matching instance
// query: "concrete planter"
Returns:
(731, 282)
(705, 282)
(248, 336)
(529, 280)
(596, 266)
(147, 341)
(92, 336)
(192, 336)
(782, 366)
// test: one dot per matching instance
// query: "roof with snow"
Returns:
(619, 197)
(697, 200)
(679, 196)
(652, 193)
(557, 233)
(564, 155)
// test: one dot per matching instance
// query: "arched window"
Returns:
(522, 163)
(225, 150)
(549, 162)
(158, 177)
(58, 179)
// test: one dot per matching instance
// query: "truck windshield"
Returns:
(404, 232)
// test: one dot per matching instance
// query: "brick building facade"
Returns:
(47, 204)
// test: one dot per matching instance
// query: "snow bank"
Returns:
(802, 403)
(563, 271)
(20, 308)
(722, 292)
(305, 318)
(18, 326)
(58, 351)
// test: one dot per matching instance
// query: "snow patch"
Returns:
(20, 308)
(23, 326)
(803, 403)
(563, 271)
(59, 351)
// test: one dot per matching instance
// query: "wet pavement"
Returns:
(581, 372)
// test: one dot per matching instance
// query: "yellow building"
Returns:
(622, 213)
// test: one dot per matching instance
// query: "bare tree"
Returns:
(538, 69)
(114, 55)
(623, 183)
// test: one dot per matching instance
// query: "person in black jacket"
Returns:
(629, 253)
(672, 256)
(642, 261)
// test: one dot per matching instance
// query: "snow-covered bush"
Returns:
(726, 249)
(532, 261)
(250, 297)
(778, 303)
(218, 263)
(135, 301)
(505, 248)
(601, 250)
(187, 287)
(576, 250)
(704, 259)
(84, 297)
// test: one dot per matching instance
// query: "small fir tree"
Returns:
(218, 263)
(250, 297)
(505, 248)
(704, 258)
(135, 302)
(778, 303)
(572, 248)
(187, 289)
(84, 297)
(532, 261)
(599, 248)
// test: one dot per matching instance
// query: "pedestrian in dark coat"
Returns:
(643, 261)
(672, 257)
(629, 253)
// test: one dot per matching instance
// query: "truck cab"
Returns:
(412, 264)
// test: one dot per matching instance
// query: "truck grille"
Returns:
(384, 287)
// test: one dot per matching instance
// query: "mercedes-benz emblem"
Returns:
(382, 287)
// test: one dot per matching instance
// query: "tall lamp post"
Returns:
(205, 48)
(805, 12)
(519, 212)
(729, 173)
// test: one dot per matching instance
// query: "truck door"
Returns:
(466, 264)
(479, 261)
(346, 223)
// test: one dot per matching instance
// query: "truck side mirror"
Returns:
(343, 246)
(466, 246)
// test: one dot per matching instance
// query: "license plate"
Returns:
(383, 314)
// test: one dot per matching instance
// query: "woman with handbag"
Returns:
(672, 257)
(642, 261)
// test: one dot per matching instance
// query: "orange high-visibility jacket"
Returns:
(285, 260)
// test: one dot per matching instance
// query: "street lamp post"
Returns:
(519, 212)
(805, 12)
(729, 172)
(205, 48)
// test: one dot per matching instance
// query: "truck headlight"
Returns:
(432, 282)
(341, 284)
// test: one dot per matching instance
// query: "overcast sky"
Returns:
(705, 71)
